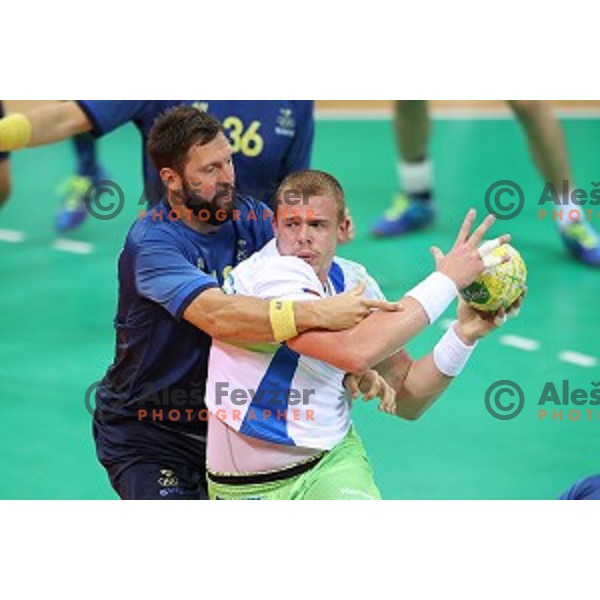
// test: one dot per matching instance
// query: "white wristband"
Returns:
(451, 354)
(435, 294)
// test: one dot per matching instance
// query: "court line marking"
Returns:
(531, 345)
(522, 343)
(73, 246)
(576, 358)
(12, 236)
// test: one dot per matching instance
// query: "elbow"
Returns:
(412, 415)
(353, 362)
(410, 407)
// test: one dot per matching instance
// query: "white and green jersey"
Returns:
(271, 392)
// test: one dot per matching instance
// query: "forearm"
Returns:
(381, 334)
(231, 318)
(244, 319)
(248, 320)
(57, 122)
(421, 387)
(49, 124)
(419, 383)
(368, 343)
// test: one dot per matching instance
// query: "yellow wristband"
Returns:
(283, 322)
(15, 132)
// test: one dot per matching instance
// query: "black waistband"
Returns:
(268, 476)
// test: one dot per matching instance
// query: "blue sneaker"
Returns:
(582, 242)
(407, 213)
(74, 210)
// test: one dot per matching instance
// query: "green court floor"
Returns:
(57, 306)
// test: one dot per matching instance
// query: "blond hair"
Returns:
(311, 182)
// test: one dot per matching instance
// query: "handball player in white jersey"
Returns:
(280, 424)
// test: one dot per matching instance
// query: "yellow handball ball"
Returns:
(498, 287)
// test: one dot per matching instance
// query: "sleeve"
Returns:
(107, 115)
(165, 276)
(299, 153)
(373, 291)
(354, 273)
(283, 277)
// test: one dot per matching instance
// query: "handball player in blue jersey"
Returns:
(269, 139)
(150, 420)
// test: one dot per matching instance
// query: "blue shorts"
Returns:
(159, 481)
(149, 462)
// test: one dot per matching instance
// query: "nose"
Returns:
(304, 236)
(227, 174)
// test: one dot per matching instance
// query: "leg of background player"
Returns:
(74, 210)
(4, 180)
(411, 210)
(4, 170)
(548, 148)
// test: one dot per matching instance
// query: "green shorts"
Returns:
(343, 473)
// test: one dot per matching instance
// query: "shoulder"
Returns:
(266, 268)
(147, 232)
(346, 274)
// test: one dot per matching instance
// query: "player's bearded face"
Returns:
(215, 211)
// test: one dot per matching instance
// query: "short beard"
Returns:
(212, 211)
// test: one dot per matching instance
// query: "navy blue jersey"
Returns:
(270, 138)
(3, 155)
(161, 359)
(586, 489)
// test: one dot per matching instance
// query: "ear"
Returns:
(171, 179)
(346, 232)
(342, 231)
(274, 220)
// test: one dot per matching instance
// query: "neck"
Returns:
(323, 276)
